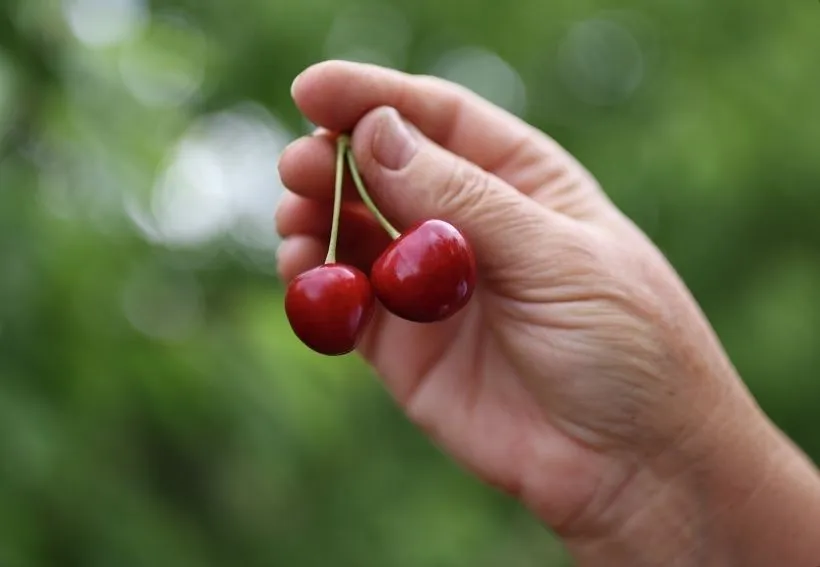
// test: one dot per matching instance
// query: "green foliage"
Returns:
(155, 409)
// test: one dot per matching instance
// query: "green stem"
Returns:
(341, 145)
(357, 180)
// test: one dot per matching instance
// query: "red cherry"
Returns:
(329, 307)
(427, 274)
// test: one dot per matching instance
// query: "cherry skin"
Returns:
(329, 307)
(428, 274)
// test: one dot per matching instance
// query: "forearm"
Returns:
(754, 503)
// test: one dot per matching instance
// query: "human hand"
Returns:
(582, 377)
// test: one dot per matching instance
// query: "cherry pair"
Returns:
(426, 274)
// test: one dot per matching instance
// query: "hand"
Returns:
(582, 377)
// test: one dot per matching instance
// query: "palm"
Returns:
(459, 386)
(464, 388)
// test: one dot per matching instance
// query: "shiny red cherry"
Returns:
(329, 307)
(427, 274)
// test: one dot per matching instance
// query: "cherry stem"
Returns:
(357, 180)
(341, 146)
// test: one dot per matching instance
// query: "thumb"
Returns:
(413, 179)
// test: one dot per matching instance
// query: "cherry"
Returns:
(427, 274)
(329, 307)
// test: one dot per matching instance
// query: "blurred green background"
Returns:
(155, 409)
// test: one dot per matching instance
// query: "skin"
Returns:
(582, 378)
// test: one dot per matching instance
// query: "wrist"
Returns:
(738, 493)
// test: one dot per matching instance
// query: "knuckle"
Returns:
(465, 190)
(432, 81)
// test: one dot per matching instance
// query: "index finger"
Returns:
(337, 94)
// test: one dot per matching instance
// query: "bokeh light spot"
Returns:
(221, 180)
(166, 67)
(485, 73)
(101, 23)
(375, 33)
(601, 62)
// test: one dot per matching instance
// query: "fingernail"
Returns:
(394, 145)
